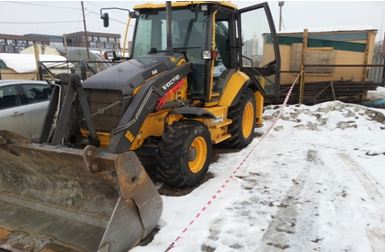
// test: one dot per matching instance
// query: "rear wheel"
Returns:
(184, 153)
(243, 115)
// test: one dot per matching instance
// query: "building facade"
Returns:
(54, 40)
(250, 50)
(15, 43)
(94, 40)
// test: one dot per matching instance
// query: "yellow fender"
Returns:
(234, 89)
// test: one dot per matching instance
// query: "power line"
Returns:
(118, 12)
(80, 16)
(93, 12)
(44, 5)
(42, 22)
(57, 22)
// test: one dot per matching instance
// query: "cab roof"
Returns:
(183, 4)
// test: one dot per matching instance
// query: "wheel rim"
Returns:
(248, 120)
(197, 154)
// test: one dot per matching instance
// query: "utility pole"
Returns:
(85, 31)
(65, 46)
(280, 4)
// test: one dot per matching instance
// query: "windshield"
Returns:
(188, 33)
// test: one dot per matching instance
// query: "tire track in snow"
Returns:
(281, 230)
(376, 235)
(316, 210)
(323, 210)
(348, 225)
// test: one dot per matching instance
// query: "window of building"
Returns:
(101, 45)
(93, 44)
(1, 49)
(21, 42)
(56, 43)
(19, 48)
(57, 40)
(69, 41)
(10, 42)
(2, 41)
(89, 38)
(9, 49)
(117, 40)
(103, 39)
(30, 43)
(109, 45)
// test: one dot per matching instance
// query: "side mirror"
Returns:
(106, 19)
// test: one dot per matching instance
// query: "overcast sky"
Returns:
(60, 17)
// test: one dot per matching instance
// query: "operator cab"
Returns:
(241, 40)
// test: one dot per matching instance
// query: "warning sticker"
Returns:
(129, 136)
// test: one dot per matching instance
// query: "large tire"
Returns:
(184, 153)
(243, 115)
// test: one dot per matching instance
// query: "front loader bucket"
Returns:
(63, 199)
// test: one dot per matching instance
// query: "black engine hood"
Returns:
(129, 75)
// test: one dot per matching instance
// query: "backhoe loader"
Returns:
(196, 76)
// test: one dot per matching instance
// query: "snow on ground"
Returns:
(378, 94)
(316, 182)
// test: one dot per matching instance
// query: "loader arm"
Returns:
(145, 102)
(61, 103)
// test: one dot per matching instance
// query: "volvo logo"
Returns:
(171, 82)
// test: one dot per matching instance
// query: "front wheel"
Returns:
(184, 153)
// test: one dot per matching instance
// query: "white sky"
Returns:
(43, 17)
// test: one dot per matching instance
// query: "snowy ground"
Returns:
(379, 94)
(316, 182)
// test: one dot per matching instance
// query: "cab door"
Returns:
(259, 56)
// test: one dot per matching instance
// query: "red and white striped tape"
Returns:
(172, 245)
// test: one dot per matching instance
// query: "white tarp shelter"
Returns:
(26, 63)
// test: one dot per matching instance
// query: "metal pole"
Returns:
(280, 17)
(303, 62)
(169, 50)
(37, 60)
(65, 46)
(85, 31)
(280, 4)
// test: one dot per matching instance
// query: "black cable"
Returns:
(93, 12)
(118, 12)
(61, 7)
(42, 22)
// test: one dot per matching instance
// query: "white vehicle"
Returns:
(23, 105)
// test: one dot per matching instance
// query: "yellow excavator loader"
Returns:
(196, 76)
